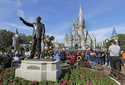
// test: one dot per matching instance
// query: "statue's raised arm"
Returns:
(25, 22)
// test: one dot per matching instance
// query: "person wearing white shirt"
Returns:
(114, 52)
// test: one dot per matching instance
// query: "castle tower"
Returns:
(17, 31)
(81, 16)
(114, 34)
(66, 40)
(79, 33)
(81, 23)
(81, 27)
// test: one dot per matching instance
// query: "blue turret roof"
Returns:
(114, 33)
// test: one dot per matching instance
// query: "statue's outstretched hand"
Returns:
(21, 18)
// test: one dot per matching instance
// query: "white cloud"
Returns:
(106, 32)
(102, 34)
(59, 30)
(13, 26)
(20, 12)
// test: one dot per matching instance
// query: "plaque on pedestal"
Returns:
(39, 70)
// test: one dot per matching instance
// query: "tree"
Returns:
(5, 39)
(24, 39)
(121, 38)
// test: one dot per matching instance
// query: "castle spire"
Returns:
(114, 32)
(17, 31)
(80, 16)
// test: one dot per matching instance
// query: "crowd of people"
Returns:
(8, 60)
(110, 57)
(113, 57)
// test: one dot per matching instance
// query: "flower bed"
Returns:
(79, 76)
(85, 76)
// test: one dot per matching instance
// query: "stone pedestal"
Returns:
(36, 70)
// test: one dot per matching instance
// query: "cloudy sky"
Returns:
(58, 15)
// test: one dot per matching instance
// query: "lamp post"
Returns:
(106, 44)
(71, 40)
(106, 41)
(107, 53)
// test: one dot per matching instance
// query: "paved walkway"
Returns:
(120, 76)
(123, 72)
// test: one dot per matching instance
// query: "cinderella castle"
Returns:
(79, 36)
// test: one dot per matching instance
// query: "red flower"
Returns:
(64, 82)
(91, 82)
(72, 60)
(87, 64)
(34, 82)
(87, 82)
(1, 81)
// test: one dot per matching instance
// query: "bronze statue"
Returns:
(49, 46)
(38, 34)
